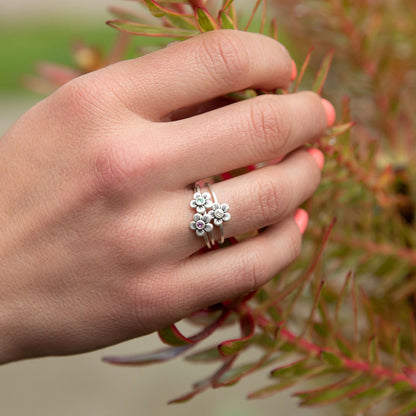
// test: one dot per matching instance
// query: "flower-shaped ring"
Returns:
(203, 227)
(201, 202)
(219, 213)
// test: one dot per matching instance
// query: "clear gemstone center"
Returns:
(219, 213)
(200, 201)
(200, 224)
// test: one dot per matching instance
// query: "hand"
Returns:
(95, 245)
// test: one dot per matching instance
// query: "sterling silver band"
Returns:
(219, 213)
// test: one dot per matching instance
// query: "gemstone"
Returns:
(200, 201)
(219, 213)
(200, 225)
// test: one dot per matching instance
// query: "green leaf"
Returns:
(321, 329)
(270, 390)
(322, 73)
(226, 21)
(332, 359)
(205, 356)
(139, 29)
(154, 8)
(148, 358)
(204, 20)
(340, 129)
(173, 337)
(332, 394)
(293, 369)
(345, 350)
(402, 386)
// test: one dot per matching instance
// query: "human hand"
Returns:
(95, 245)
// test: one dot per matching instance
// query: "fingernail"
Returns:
(301, 219)
(318, 156)
(329, 111)
(294, 71)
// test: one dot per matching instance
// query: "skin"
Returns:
(95, 245)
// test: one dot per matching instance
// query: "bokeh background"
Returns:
(43, 30)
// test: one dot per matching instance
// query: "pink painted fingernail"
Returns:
(294, 71)
(301, 219)
(318, 156)
(329, 111)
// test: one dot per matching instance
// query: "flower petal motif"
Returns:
(201, 201)
(225, 207)
(226, 216)
(206, 218)
(201, 224)
(216, 206)
(197, 217)
(217, 221)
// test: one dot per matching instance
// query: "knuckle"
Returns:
(78, 96)
(271, 130)
(294, 243)
(272, 201)
(114, 165)
(224, 56)
(254, 269)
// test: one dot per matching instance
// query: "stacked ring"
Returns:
(201, 223)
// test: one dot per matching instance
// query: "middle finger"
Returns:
(240, 134)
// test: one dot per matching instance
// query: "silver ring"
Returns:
(201, 223)
(219, 213)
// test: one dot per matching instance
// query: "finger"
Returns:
(241, 134)
(228, 272)
(197, 70)
(256, 200)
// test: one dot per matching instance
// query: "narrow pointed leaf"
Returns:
(290, 370)
(172, 336)
(154, 8)
(340, 129)
(148, 358)
(322, 73)
(140, 29)
(225, 21)
(233, 346)
(204, 20)
(333, 394)
(332, 359)
(233, 375)
(205, 356)
(270, 390)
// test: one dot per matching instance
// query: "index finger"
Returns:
(199, 69)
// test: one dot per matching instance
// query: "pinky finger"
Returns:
(223, 274)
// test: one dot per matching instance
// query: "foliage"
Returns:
(343, 314)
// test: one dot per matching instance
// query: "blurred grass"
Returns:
(23, 44)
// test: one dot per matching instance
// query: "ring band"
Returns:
(219, 213)
(201, 223)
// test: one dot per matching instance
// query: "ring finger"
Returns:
(257, 199)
